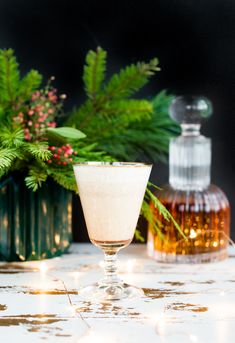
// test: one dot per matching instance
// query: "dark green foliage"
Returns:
(30, 157)
(11, 139)
(14, 91)
(126, 128)
(114, 124)
(94, 72)
(108, 106)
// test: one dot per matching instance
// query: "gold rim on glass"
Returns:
(112, 164)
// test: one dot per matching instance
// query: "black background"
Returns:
(194, 40)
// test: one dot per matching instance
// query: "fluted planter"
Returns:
(34, 225)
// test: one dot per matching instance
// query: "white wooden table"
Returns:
(182, 303)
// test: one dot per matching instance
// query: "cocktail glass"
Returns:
(111, 195)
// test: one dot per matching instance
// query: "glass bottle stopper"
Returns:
(190, 112)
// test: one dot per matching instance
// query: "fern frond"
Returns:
(139, 236)
(94, 72)
(151, 197)
(7, 157)
(79, 115)
(9, 76)
(39, 150)
(147, 139)
(65, 179)
(35, 178)
(127, 111)
(104, 101)
(148, 214)
(11, 138)
(129, 80)
(29, 83)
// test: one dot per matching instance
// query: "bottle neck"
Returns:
(190, 161)
(190, 129)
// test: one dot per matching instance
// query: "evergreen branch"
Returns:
(94, 72)
(10, 139)
(129, 80)
(149, 196)
(127, 111)
(65, 179)
(79, 116)
(148, 214)
(121, 86)
(147, 139)
(39, 150)
(9, 76)
(138, 236)
(90, 153)
(29, 83)
(35, 178)
(7, 157)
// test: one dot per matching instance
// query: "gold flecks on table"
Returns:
(39, 300)
(3, 307)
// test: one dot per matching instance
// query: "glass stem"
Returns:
(110, 268)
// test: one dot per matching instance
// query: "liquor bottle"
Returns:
(199, 207)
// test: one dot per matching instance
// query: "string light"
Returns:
(76, 275)
(130, 265)
(193, 338)
(91, 336)
(160, 324)
(193, 234)
(43, 267)
(101, 264)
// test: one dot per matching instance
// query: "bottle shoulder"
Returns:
(212, 197)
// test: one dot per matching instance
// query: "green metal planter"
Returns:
(34, 225)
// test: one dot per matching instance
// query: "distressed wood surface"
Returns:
(182, 303)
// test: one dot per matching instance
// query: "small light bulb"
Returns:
(43, 267)
(160, 326)
(130, 265)
(101, 264)
(76, 275)
(193, 234)
(193, 338)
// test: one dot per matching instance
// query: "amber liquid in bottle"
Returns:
(204, 218)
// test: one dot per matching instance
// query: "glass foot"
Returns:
(99, 292)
